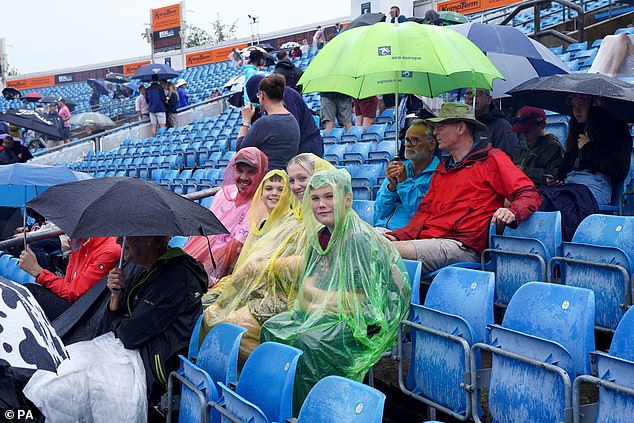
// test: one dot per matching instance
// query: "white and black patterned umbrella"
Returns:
(27, 339)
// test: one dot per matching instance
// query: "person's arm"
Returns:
(384, 204)
(412, 191)
(417, 222)
(257, 134)
(551, 159)
(610, 155)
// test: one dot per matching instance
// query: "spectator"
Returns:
(296, 53)
(336, 106)
(318, 39)
(231, 205)
(171, 102)
(256, 62)
(65, 114)
(353, 291)
(365, 111)
(152, 316)
(22, 153)
(140, 104)
(235, 57)
(432, 18)
(310, 140)
(540, 154)
(7, 155)
(276, 134)
(183, 99)
(466, 194)
(498, 130)
(155, 98)
(291, 72)
(598, 148)
(264, 283)
(57, 122)
(395, 15)
(305, 48)
(94, 98)
(338, 29)
(4, 127)
(90, 260)
(406, 183)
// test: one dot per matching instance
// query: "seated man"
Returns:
(466, 193)
(540, 154)
(90, 260)
(406, 183)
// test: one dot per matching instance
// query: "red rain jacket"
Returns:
(462, 200)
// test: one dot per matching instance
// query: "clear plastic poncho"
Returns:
(264, 281)
(231, 207)
(352, 295)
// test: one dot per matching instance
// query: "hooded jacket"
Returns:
(462, 200)
(157, 314)
(498, 132)
(542, 158)
(291, 72)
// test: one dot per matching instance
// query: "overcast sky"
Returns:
(43, 35)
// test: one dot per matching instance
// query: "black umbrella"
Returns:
(30, 119)
(11, 93)
(123, 207)
(117, 78)
(266, 47)
(365, 20)
(49, 99)
(145, 72)
(98, 85)
(551, 93)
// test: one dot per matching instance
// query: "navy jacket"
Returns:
(155, 98)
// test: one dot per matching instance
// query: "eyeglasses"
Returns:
(415, 140)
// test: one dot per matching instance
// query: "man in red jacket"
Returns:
(90, 260)
(466, 193)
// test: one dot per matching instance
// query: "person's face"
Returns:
(136, 249)
(271, 193)
(580, 108)
(322, 204)
(533, 133)
(243, 175)
(52, 108)
(483, 100)
(419, 143)
(298, 179)
(447, 135)
(393, 12)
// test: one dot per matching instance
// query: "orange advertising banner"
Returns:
(210, 56)
(130, 68)
(35, 82)
(471, 6)
(166, 18)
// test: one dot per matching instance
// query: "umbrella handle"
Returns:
(122, 250)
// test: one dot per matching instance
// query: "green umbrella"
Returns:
(452, 18)
(406, 58)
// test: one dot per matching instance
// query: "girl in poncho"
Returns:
(264, 282)
(353, 293)
(231, 205)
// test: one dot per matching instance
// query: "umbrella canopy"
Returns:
(452, 18)
(20, 182)
(30, 119)
(49, 99)
(32, 97)
(145, 72)
(516, 56)
(290, 44)
(91, 118)
(365, 20)
(117, 78)
(551, 92)
(98, 84)
(406, 58)
(123, 207)
(11, 93)
(266, 47)
(29, 341)
(235, 84)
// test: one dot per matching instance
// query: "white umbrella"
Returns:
(290, 44)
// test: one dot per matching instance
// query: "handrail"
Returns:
(580, 18)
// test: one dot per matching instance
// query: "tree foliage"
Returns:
(197, 37)
(221, 31)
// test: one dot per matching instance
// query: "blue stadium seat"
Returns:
(458, 307)
(375, 132)
(364, 179)
(335, 399)
(218, 355)
(354, 134)
(521, 255)
(194, 382)
(365, 210)
(334, 136)
(386, 117)
(382, 152)
(600, 258)
(543, 343)
(334, 152)
(265, 388)
(614, 375)
(356, 153)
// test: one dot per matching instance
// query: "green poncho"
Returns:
(352, 295)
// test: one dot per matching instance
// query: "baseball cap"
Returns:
(244, 160)
(526, 117)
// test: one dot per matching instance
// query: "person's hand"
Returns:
(390, 237)
(116, 281)
(28, 263)
(504, 216)
(395, 173)
(247, 113)
(552, 181)
(582, 140)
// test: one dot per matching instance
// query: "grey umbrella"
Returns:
(551, 93)
(91, 118)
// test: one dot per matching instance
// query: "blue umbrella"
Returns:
(97, 83)
(516, 56)
(145, 72)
